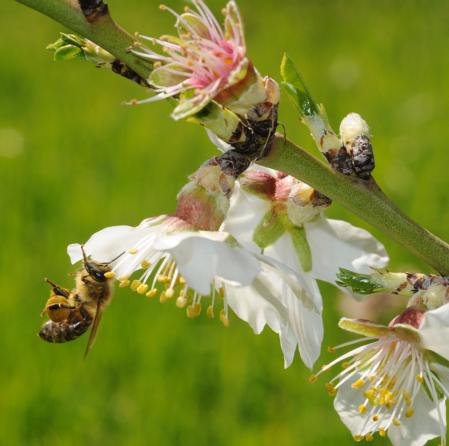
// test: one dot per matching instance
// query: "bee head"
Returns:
(98, 271)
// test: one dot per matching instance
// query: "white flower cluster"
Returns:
(256, 242)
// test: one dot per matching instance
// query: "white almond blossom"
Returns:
(394, 383)
(175, 260)
(267, 201)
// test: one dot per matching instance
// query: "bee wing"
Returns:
(94, 329)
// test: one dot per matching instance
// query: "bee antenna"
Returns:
(52, 284)
(114, 259)
(84, 254)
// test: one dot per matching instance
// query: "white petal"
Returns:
(347, 402)
(306, 323)
(434, 331)
(336, 244)
(259, 306)
(245, 213)
(203, 256)
(443, 374)
(422, 427)
(108, 243)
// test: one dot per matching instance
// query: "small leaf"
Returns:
(296, 89)
(68, 52)
(359, 283)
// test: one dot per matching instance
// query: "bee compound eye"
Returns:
(95, 273)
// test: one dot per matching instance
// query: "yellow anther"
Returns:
(190, 312)
(124, 283)
(133, 251)
(362, 408)
(345, 364)
(181, 280)
(142, 289)
(358, 438)
(224, 318)
(370, 394)
(330, 349)
(396, 422)
(358, 384)
(409, 412)
(162, 7)
(210, 312)
(407, 398)
(135, 284)
(181, 302)
(197, 309)
(369, 437)
(382, 432)
(152, 293)
(109, 274)
(331, 390)
(169, 293)
(371, 379)
(375, 417)
(313, 379)
(420, 378)
(145, 264)
(161, 279)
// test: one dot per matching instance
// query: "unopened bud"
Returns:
(355, 136)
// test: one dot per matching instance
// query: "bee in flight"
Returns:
(72, 312)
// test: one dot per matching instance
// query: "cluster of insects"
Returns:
(72, 312)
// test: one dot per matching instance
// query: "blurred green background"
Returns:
(74, 160)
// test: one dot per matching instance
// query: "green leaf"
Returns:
(268, 230)
(296, 88)
(301, 246)
(359, 283)
(68, 52)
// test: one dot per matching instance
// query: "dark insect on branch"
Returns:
(93, 9)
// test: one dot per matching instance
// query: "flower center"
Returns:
(387, 375)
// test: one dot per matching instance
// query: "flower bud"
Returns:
(204, 201)
(355, 136)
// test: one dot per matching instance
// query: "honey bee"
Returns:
(72, 312)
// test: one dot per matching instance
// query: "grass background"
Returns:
(74, 160)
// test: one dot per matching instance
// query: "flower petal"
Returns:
(203, 256)
(108, 243)
(245, 213)
(258, 304)
(434, 331)
(422, 427)
(336, 244)
(306, 322)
